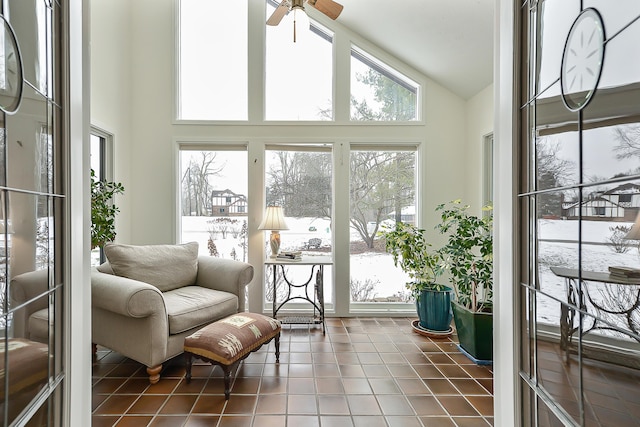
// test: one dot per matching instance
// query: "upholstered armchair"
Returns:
(31, 321)
(147, 299)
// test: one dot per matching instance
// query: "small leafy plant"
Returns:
(468, 254)
(103, 211)
(411, 252)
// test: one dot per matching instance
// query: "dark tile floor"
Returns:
(363, 372)
(608, 392)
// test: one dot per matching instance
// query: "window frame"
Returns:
(388, 308)
(105, 160)
(342, 40)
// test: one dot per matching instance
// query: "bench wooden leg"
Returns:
(154, 373)
(227, 378)
(189, 358)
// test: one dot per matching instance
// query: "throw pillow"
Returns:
(166, 267)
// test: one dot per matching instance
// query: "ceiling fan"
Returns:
(328, 7)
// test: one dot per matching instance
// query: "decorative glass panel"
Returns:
(32, 21)
(583, 286)
(29, 145)
(32, 217)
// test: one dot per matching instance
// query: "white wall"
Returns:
(111, 88)
(479, 125)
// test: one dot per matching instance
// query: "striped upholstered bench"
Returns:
(230, 340)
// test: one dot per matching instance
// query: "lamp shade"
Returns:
(273, 219)
(634, 233)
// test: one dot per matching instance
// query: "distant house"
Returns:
(228, 203)
(626, 195)
(407, 214)
(621, 203)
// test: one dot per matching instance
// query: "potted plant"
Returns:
(410, 250)
(103, 211)
(468, 257)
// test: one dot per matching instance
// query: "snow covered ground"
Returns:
(557, 247)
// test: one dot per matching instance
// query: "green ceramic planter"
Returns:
(434, 309)
(475, 332)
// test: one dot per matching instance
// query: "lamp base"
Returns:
(274, 243)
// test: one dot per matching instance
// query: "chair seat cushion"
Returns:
(232, 338)
(39, 326)
(193, 306)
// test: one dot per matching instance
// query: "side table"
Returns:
(316, 299)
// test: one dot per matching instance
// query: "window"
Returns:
(208, 178)
(100, 155)
(34, 221)
(213, 53)
(299, 76)
(299, 178)
(573, 165)
(382, 192)
(380, 93)
(487, 171)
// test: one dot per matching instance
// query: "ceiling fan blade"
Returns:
(279, 13)
(328, 7)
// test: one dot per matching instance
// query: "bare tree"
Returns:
(242, 235)
(628, 137)
(301, 183)
(196, 185)
(282, 290)
(363, 290)
(223, 225)
(553, 172)
(617, 242)
(213, 250)
(381, 184)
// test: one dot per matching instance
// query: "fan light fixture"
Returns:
(300, 19)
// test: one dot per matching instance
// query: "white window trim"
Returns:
(343, 40)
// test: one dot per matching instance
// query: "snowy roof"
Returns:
(570, 205)
(628, 188)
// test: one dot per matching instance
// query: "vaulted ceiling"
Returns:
(450, 41)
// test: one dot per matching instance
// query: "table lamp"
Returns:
(273, 220)
(634, 233)
(8, 228)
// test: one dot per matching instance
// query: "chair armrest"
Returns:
(125, 296)
(225, 275)
(29, 285)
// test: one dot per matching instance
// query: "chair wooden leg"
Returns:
(154, 373)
